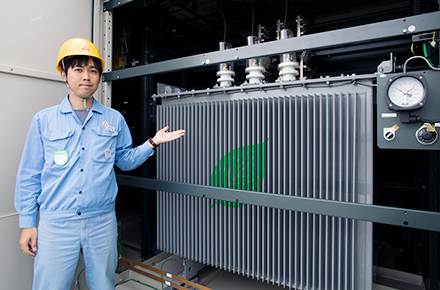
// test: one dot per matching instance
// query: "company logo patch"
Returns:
(108, 127)
(107, 154)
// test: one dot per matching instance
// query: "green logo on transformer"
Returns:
(241, 168)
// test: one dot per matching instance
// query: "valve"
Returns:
(427, 135)
(389, 134)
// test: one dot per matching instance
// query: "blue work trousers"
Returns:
(58, 247)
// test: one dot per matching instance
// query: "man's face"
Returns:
(83, 80)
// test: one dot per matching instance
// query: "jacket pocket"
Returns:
(104, 144)
(55, 147)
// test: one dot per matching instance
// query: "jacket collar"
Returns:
(65, 106)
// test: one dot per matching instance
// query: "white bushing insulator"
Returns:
(288, 70)
(226, 77)
(255, 74)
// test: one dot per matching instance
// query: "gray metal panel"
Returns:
(272, 143)
(405, 136)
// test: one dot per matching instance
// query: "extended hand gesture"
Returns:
(163, 137)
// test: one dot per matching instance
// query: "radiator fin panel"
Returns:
(301, 142)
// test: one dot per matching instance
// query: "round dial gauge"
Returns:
(406, 92)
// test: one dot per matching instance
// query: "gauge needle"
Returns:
(406, 93)
(405, 100)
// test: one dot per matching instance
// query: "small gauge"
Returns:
(406, 92)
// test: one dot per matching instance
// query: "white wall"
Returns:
(30, 36)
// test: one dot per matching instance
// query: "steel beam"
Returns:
(112, 4)
(433, 189)
(347, 36)
(418, 219)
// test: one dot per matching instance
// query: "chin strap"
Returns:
(85, 105)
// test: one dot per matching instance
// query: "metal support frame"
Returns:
(433, 190)
(149, 226)
(347, 36)
(366, 212)
(112, 4)
(103, 38)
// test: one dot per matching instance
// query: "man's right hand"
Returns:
(28, 241)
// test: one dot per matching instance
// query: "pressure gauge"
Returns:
(406, 92)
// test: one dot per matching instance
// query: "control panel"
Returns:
(408, 110)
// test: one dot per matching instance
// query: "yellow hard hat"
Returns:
(78, 46)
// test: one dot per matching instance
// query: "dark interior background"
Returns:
(148, 31)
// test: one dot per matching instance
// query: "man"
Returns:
(66, 176)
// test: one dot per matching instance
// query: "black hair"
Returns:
(81, 60)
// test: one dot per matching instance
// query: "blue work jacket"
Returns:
(66, 170)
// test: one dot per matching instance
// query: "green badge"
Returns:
(60, 157)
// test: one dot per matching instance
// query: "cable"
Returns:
(161, 267)
(364, 84)
(424, 46)
(121, 246)
(77, 279)
(425, 53)
(285, 17)
(224, 19)
(417, 56)
(434, 47)
(253, 18)
(426, 120)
